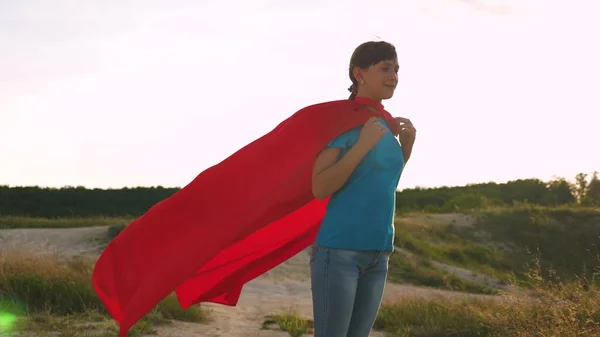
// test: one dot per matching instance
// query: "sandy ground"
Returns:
(61, 242)
(284, 288)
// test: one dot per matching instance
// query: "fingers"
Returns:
(406, 125)
(410, 131)
(404, 122)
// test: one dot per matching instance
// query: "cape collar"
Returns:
(368, 101)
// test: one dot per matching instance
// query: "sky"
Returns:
(122, 93)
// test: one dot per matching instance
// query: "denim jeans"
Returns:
(347, 288)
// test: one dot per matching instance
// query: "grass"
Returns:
(429, 242)
(567, 239)
(113, 231)
(552, 252)
(503, 242)
(447, 243)
(404, 268)
(80, 325)
(550, 309)
(45, 294)
(13, 222)
(289, 321)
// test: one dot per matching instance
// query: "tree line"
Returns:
(79, 201)
(584, 190)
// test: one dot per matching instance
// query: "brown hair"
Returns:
(366, 55)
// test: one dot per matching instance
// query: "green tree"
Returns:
(592, 194)
(532, 191)
(581, 186)
(466, 201)
(560, 192)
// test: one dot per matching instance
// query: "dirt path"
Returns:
(283, 288)
(62, 242)
(279, 291)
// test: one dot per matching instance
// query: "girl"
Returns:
(360, 170)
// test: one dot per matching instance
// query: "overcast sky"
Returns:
(144, 93)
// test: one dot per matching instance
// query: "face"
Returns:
(379, 80)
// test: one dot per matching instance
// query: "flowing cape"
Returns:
(235, 221)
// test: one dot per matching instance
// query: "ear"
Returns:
(357, 73)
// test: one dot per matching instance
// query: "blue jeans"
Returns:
(347, 288)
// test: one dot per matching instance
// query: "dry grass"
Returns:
(547, 309)
(550, 308)
(47, 295)
(10, 222)
(289, 321)
(564, 311)
(52, 297)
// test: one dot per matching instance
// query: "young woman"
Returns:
(360, 170)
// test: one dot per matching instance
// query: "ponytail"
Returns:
(353, 91)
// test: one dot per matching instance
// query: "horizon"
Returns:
(468, 184)
(147, 94)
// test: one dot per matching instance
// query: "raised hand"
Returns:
(371, 133)
(408, 132)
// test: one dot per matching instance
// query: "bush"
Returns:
(113, 231)
(566, 239)
(36, 286)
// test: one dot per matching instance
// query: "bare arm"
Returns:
(406, 136)
(407, 147)
(330, 174)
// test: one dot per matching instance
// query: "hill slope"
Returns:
(437, 256)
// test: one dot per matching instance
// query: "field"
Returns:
(499, 271)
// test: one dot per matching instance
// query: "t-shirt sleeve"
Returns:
(340, 142)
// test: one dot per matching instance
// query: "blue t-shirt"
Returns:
(360, 215)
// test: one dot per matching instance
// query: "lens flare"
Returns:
(6, 321)
(10, 310)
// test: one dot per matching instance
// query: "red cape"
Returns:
(233, 222)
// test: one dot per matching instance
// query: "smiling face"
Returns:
(374, 70)
(378, 81)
